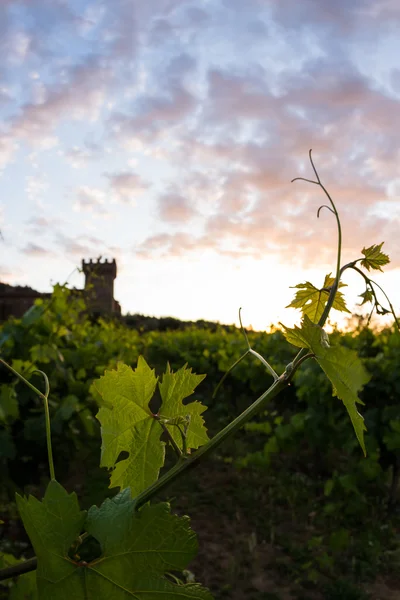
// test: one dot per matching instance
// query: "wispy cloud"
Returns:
(194, 117)
(126, 186)
(36, 251)
(91, 200)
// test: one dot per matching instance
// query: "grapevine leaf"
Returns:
(374, 258)
(52, 526)
(367, 296)
(8, 404)
(138, 548)
(25, 588)
(174, 388)
(341, 365)
(312, 300)
(128, 425)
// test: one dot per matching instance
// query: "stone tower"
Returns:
(99, 285)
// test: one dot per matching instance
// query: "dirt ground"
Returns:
(235, 560)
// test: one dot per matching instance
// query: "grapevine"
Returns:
(139, 544)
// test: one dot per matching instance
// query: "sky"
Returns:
(165, 134)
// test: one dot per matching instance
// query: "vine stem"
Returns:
(335, 285)
(370, 281)
(253, 352)
(230, 429)
(45, 398)
(171, 440)
(225, 375)
(19, 569)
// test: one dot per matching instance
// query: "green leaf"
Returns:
(8, 404)
(367, 296)
(174, 388)
(25, 587)
(7, 560)
(138, 549)
(328, 487)
(128, 424)
(374, 258)
(312, 300)
(52, 526)
(341, 365)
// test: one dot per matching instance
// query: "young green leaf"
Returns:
(341, 365)
(312, 301)
(174, 388)
(374, 258)
(128, 425)
(138, 548)
(367, 296)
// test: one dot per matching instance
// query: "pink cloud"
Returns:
(8, 145)
(79, 247)
(233, 95)
(157, 112)
(79, 157)
(174, 208)
(80, 97)
(126, 186)
(36, 251)
(90, 199)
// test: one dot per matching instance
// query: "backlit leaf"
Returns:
(367, 296)
(374, 258)
(341, 365)
(128, 424)
(311, 300)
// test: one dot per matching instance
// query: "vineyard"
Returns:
(290, 505)
(295, 492)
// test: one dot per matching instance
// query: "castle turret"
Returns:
(99, 285)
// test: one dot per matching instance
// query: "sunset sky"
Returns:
(165, 133)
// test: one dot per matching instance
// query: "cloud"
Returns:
(174, 208)
(78, 157)
(90, 199)
(333, 17)
(126, 186)
(36, 251)
(8, 145)
(35, 187)
(153, 115)
(227, 97)
(80, 97)
(233, 95)
(39, 226)
(80, 247)
(8, 276)
(85, 246)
